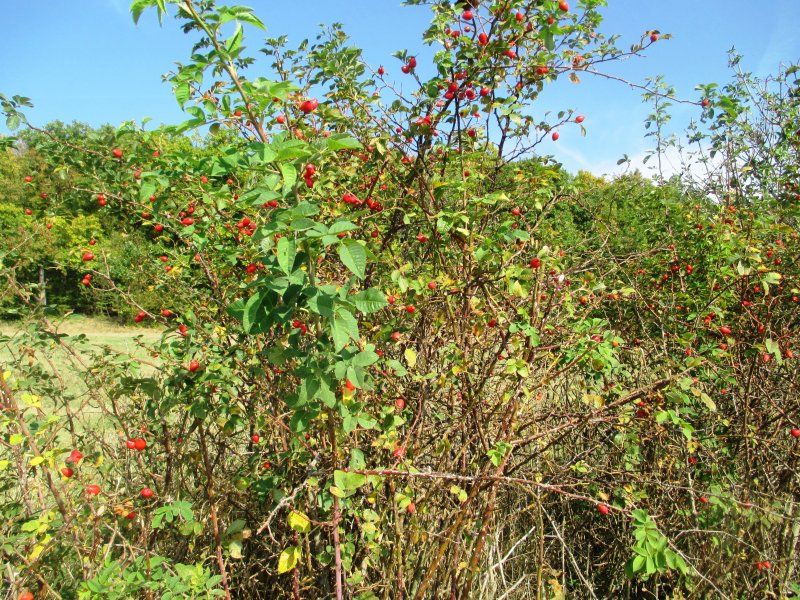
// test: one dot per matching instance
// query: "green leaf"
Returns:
(348, 481)
(354, 257)
(370, 301)
(341, 226)
(138, 7)
(250, 314)
(289, 177)
(235, 549)
(287, 252)
(301, 420)
(772, 347)
(344, 327)
(365, 359)
(16, 439)
(637, 564)
(233, 43)
(289, 558)
(12, 121)
(549, 41)
(342, 141)
(182, 93)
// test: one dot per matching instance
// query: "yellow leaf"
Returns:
(299, 522)
(411, 357)
(31, 400)
(288, 559)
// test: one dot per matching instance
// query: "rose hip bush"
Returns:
(399, 357)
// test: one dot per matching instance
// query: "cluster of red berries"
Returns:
(138, 444)
(246, 226)
(308, 176)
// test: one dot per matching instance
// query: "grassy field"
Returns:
(98, 332)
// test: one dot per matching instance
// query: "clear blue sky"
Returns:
(85, 60)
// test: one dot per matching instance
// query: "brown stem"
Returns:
(213, 508)
(295, 571)
(337, 550)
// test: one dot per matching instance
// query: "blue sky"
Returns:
(87, 61)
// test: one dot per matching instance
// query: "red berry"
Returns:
(28, 179)
(281, 119)
(256, 438)
(87, 256)
(563, 5)
(411, 508)
(795, 432)
(93, 490)
(131, 444)
(26, 596)
(309, 106)
(555, 136)
(117, 153)
(194, 366)
(395, 336)
(580, 119)
(536, 262)
(140, 444)
(146, 493)
(410, 309)
(67, 472)
(603, 508)
(400, 404)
